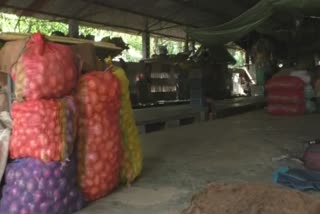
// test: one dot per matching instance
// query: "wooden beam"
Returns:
(59, 39)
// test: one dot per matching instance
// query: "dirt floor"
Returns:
(181, 161)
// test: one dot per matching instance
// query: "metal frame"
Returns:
(105, 4)
(87, 22)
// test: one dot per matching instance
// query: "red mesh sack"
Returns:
(286, 97)
(44, 70)
(43, 129)
(285, 82)
(99, 146)
(280, 109)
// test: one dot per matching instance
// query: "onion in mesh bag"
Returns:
(43, 129)
(44, 70)
(34, 187)
(99, 148)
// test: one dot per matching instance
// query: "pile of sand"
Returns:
(251, 199)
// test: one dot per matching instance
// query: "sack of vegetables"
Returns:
(132, 161)
(34, 187)
(43, 129)
(99, 147)
(44, 70)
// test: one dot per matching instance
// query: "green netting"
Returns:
(252, 19)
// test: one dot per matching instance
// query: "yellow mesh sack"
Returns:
(132, 161)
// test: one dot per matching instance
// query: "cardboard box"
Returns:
(87, 55)
(10, 54)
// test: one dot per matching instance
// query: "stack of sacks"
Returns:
(303, 75)
(308, 90)
(309, 94)
(42, 178)
(132, 158)
(99, 147)
(285, 95)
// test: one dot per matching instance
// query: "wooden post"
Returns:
(73, 28)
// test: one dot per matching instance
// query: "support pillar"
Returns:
(73, 28)
(146, 41)
(146, 45)
(193, 46)
(186, 43)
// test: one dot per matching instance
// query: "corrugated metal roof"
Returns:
(163, 17)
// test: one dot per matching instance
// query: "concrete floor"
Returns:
(180, 161)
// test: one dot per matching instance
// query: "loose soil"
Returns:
(251, 199)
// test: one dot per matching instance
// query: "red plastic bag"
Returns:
(286, 97)
(43, 129)
(285, 82)
(280, 109)
(99, 147)
(44, 70)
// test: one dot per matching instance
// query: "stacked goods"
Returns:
(309, 93)
(44, 70)
(43, 129)
(44, 124)
(99, 146)
(285, 95)
(32, 186)
(132, 161)
(303, 75)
